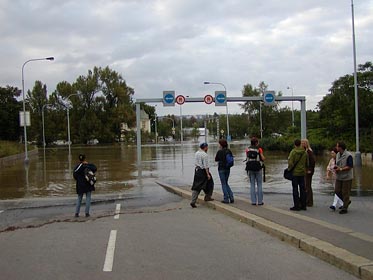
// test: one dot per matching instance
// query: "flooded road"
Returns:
(51, 175)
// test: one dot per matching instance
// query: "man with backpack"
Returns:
(85, 183)
(254, 165)
(225, 161)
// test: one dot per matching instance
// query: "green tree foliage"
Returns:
(274, 119)
(337, 109)
(9, 113)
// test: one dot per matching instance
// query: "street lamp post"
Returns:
(292, 108)
(68, 125)
(24, 104)
(226, 106)
(357, 154)
(42, 120)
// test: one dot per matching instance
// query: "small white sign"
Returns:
(22, 119)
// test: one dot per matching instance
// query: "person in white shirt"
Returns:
(202, 176)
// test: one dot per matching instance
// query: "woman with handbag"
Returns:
(297, 163)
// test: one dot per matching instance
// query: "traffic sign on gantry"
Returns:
(269, 98)
(168, 98)
(220, 98)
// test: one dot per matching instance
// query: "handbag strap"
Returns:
(296, 163)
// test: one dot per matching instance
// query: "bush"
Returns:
(8, 148)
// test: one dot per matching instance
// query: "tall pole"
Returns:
(24, 103)
(226, 106)
(42, 120)
(357, 154)
(292, 106)
(68, 125)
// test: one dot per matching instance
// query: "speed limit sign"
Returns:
(208, 99)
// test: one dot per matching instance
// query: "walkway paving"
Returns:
(345, 241)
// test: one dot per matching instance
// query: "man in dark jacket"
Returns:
(84, 184)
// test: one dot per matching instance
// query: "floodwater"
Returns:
(50, 174)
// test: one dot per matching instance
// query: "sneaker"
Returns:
(295, 209)
(232, 201)
(76, 216)
(343, 211)
(225, 202)
(332, 207)
(303, 208)
(193, 205)
(261, 203)
(87, 214)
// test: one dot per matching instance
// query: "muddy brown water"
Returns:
(51, 174)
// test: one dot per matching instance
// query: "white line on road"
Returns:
(1, 211)
(109, 259)
(117, 211)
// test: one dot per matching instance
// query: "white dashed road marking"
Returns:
(1, 211)
(109, 259)
(117, 211)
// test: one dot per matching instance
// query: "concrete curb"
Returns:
(341, 258)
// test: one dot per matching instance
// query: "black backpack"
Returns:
(253, 162)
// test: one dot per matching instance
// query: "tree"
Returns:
(9, 113)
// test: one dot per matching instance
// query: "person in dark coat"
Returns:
(202, 176)
(83, 186)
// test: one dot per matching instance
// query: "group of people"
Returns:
(204, 181)
(301, 162)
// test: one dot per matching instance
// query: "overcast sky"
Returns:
(179, 44)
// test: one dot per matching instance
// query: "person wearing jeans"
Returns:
(224, 171)
(83, 186)
(254, 166)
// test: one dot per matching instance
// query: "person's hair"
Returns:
(308, 147)
(254, 141)
(342, 144)
(334, 149)
(203, 145)
(297, 142)
(81, 157)
(223, 143)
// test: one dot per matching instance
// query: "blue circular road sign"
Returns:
(169, 98)
(220, 98)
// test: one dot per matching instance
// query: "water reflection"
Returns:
(51, 175)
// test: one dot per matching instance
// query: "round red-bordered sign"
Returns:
(208, 99)
(180, 99)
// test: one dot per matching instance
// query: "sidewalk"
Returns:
(350, 249)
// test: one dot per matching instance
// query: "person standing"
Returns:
(202, 176)
(83, 186)
(331, 175)
(224, 170)
(311, 161)
(344, 175)
(254, 164)
(297, 161)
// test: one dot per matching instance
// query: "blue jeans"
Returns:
(87, 202)
(227, 192)
(256, 195)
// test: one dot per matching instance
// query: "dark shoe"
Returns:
(253, 204)
(295, 209)
(193, 205)
(226, 202)
(76, 215)
(332, 207)
(87, 214)
(261, 203)
(343, 211)
(232, 201)
(209, 199)
(303, 208)
(340, 207)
